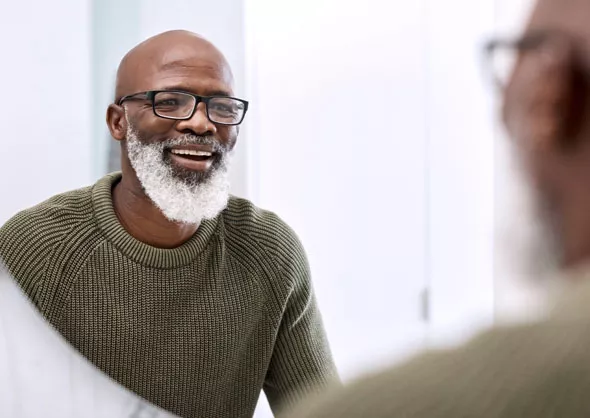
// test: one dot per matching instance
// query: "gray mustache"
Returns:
(189, 139)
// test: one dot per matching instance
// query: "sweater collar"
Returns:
(142, 253)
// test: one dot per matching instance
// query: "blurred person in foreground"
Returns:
(541, 369)
(192, 299)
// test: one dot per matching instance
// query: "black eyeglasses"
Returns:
(182, 105)
(501, 55)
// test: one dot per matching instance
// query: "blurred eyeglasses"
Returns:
(502, 55)
(181, 105)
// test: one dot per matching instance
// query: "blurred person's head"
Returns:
(547, 116)
(178, 123)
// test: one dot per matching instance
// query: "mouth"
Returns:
(192, 154)
(193, 157)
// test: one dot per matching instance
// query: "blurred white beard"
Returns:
(180, 199)
(527, 243)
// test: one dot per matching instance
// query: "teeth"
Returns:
(191, 152)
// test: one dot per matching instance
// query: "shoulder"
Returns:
(31, 233)
(512, 371)
(266, 227)
(51, 216)
(266, 235)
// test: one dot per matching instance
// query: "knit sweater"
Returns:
(534, 370)
(198, 330)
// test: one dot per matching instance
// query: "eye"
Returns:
(170, 102)
(223, 108)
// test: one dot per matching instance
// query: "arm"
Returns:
(23, 252)
(301, 362)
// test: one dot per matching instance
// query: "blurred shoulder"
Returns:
(528, 370)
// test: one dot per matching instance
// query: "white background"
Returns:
(371, 131)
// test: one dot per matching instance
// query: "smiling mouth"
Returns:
(193, 155)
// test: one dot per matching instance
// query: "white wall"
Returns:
(373, 136)
(513, 299)
(460, 169)
(340, 154)
(44, 110)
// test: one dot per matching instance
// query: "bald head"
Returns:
(173, 57)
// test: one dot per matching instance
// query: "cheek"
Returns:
(228, 135)
(150, 125)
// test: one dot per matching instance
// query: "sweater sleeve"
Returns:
(23, 250)
(301, 362)
(28, 240)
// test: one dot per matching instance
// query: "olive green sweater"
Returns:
(198, 330)
(535, 370)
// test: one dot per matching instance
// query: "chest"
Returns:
(194, 333)
(199, 306)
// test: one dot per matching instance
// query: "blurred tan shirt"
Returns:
(535, 370)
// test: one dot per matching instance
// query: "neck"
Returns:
(143, 220)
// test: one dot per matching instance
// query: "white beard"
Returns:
(180, 200)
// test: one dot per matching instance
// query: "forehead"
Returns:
(200, 70)
(570, 16)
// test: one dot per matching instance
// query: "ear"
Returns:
(116, 122)
(541, 108)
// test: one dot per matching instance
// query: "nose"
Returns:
(198, 124)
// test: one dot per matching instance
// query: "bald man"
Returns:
(191, 298)
(539, 370)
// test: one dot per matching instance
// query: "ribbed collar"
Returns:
(142, 253)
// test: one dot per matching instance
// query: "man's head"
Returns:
(178, 122)
(547, 114)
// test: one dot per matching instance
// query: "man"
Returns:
(190, 298)
(540, 369)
